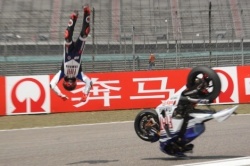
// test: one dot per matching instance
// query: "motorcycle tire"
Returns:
(141, 124)
(213, 81)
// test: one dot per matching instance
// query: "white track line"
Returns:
(35, 128)
(228, 162)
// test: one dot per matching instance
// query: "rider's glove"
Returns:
(64, 97)
(84, 98)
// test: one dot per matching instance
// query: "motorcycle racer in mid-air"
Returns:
(71, 69)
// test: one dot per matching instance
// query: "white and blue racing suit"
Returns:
(71, 65)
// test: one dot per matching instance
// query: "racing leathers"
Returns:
(71, 65)
(175, 145)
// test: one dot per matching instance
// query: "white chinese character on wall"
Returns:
(149, 93)
(100, 91)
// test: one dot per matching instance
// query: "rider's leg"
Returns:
(164, 142)
(80, 43)
(86, 20)
(68, 35)
(84, 78)
(168, 145)
(173, 145)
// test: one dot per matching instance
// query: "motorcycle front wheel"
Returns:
(146, 125)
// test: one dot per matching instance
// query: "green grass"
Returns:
(45, 120)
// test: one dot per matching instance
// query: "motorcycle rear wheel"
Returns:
(143, 125)
(213, 87)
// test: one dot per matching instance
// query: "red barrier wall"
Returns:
(244, 83)
(2, 96)
(122, 90)
(112, 91)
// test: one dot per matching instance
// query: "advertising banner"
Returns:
(229, 85)
(244, 83)
(114, 91)
(27, 95)
(122, 90)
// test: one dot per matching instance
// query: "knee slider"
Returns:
(66, 34)
(85, 32)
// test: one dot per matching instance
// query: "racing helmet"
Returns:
(69, 83)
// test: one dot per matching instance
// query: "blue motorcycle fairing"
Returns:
(193, 132)
(190, 134)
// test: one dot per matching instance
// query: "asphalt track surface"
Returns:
(117, 144)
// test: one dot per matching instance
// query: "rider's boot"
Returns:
(86, 21)
(177, 150)
(180, 154)
(188, 148)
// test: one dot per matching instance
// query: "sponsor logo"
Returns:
(72, 66)
(88, 19)
(76, 57)
(28, 95)
(70, 23)
(70, 72)
(229, 92)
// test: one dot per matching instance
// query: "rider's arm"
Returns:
(88, 85)
(193, 91)
(54, 87)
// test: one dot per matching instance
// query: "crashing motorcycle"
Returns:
(176, 122)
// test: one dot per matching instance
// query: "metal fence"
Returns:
(181, 33)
